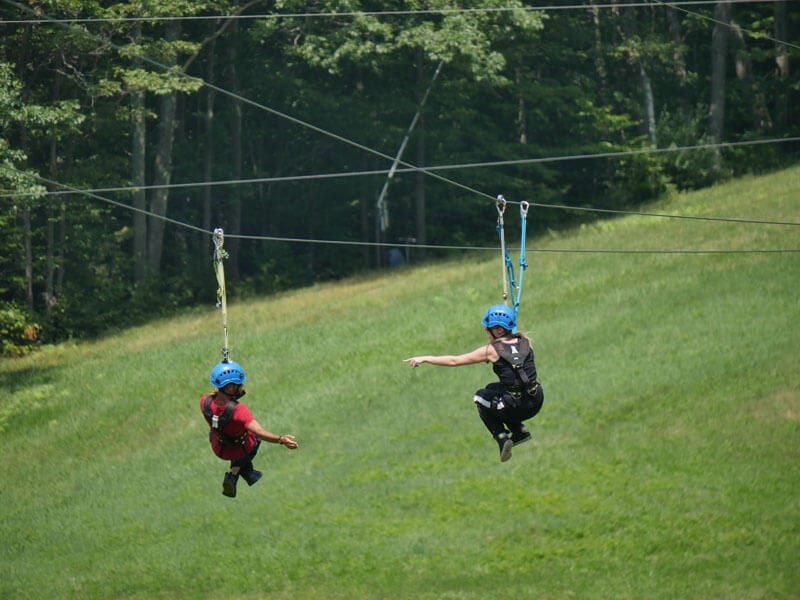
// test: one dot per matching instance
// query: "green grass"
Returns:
(664, 462)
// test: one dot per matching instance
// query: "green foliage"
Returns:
(19, 333)
(465, 41)
(636, 179)
(159, 83)
(9, 93)
(33, 122)
(755, 159)
(686, 169)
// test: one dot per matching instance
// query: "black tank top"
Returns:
(519, 347)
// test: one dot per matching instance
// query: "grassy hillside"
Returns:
(663, 465)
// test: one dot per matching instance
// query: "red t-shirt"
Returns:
(240, 419)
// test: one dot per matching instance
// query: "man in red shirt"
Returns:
(235, 435)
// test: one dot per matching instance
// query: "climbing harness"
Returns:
(219, 268)
(509, 281)
(515, 356)
(218, 422)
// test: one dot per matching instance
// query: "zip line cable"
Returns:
(268, 238)
(292, 178)
(93, 194)
(411, 246)
(109, 201)
(382, 13)
(610, 211)
(617, 154)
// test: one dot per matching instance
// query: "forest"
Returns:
(321, 135)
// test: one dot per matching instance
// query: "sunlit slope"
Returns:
(663, 465)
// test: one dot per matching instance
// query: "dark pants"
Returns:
(501, 413)
(246, 463)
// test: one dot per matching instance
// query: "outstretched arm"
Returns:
(478, 355)
(285, 440)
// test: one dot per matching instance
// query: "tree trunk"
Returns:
(49, 283)
(744, 72)
(208, 123)
(599, 60)
(161, 179)
(62, 240)
(421, 201)
(678, 59)
(719, 51)
(138, 152)
(163, 170)
(235, 212)
(209, 144)
(781, 107)
(522, 121)
(649, 105)
(138, 178)
(366, 192)
(28, 250)
(630, 31)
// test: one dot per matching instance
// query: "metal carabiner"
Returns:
(501, 205)
(219, 240)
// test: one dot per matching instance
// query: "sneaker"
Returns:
(251, 476)
(505, 444)
(521, 435)
(229, 485)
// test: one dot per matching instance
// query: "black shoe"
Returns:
(251, 476)
(521, 435)
(505, 444)
(229, 485)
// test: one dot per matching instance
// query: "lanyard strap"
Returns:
(509, 281)
(219, 268)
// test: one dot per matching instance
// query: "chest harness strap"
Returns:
(515, 355)
(218, 422)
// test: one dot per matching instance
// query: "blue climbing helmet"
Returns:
(227, 372)
(500, 314)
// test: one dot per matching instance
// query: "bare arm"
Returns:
(478, 355)
(285, 440)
